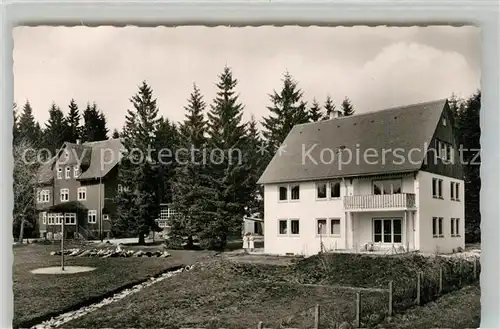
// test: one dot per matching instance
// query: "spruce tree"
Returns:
(257, 167)
(347, 108)
(315, 112)
(116, 134)
(287, 110)
(73, 120)
(469, 134)
(56, 129)
(94, 125)
(230, 171)
(166, 139)
(15, 124)
(27, 127)
(329, 107)
(138, 172)
(192, 188)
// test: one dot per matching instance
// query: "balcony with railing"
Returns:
(380, 202)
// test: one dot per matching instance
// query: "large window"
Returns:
(321, 226)
(387, 230)
(455, 227)
(328, 190)
(295, 192)
(390, 186)
(283, 226)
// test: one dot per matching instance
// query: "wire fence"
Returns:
(363, 307)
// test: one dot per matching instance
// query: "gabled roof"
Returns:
(406, 128)
(97, 159)
(104, 156)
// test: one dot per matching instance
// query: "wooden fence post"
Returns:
(475, 268)
(419, 275)
(358, 309)
(260, 325)
(390, 298)
(440, 280)
(316, 317)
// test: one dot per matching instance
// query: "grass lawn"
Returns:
(218, 297)
(231, 294)
(458, 309)
(36, 295)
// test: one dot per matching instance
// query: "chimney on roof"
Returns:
(78, 142)
(336, 114)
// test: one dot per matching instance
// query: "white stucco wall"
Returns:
(429, 207)
(307, 210)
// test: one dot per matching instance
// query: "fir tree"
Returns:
(469, 134)
(116, 134)
(287, 110)
(231, 171)
(256, 161)
(347, 108)
(192, 192)
(15, 124)
(138, 172)
(329, 108)
(94, 126)
(166, 140)
(56, 129)
(73, 120)
(27, 126)
(315, 111)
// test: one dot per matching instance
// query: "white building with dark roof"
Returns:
(386, 180)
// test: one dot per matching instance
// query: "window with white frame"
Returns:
(92, 216)
(68, 173)
(322, 227)
(452, 190)
(59, 173)
(295, 192)
(105, 217)
(321, 191)
(82, 193)
(437, 188)
(283, 193)
(389, 186)
(457, 191)
(334, 226)
(387, 230)
(50, 219)
(444, 121)
(43, 196)
(70, 218)
(289, 227)
(455, 227)
(64, 194)
(44, 218)
(76, 171)
(120, 188)
(59, 218)
(294, 227)
(283, 226)
(66, 154)
(334, 189)
(437, 227)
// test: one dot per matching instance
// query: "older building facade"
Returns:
(377, 181)
(78, 186)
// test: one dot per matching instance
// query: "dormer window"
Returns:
(68, 173)
(76, 171)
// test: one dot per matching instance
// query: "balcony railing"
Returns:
(383, 201)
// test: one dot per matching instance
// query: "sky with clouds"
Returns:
(376, 67)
